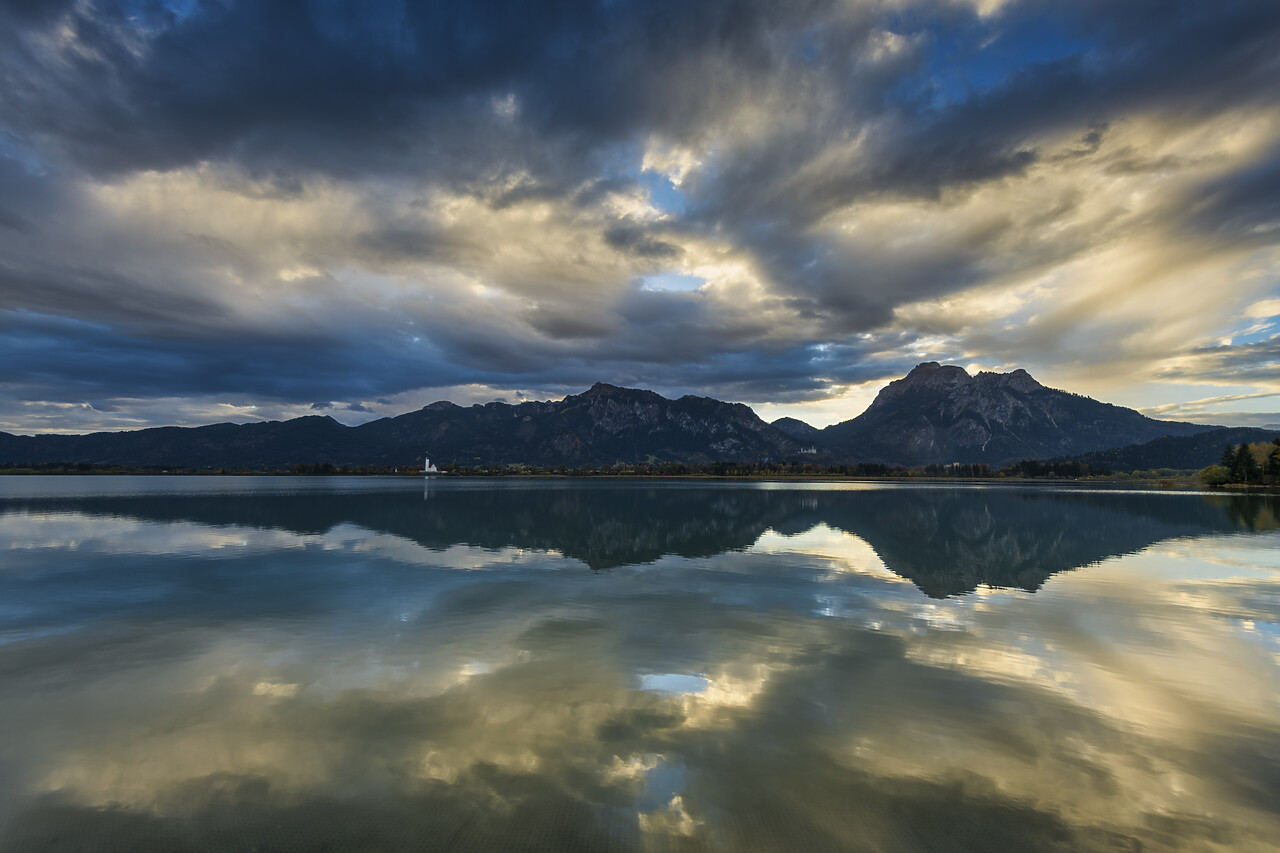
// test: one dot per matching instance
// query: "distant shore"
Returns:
(1172, 481)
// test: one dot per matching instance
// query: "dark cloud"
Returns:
(48, 358)
(9, 219)
(1232, 363)
(35, 11)
(1243, 208)
(108, 295)
(637, 241)
(353, 87)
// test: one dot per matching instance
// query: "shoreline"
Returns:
(1172, 484)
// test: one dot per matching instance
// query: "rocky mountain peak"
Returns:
(933, 373)
(604, 394)
(935, 377)
(606, 391)
(927, 376)
(1017, 380)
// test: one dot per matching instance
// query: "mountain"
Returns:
(797, 429)
(940, 414)
(601, 426)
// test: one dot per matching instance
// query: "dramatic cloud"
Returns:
(212, 205)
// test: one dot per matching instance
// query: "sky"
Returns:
(225, 211)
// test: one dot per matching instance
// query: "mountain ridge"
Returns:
(935, 414)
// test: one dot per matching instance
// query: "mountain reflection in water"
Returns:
(947, 541)
(359, 665)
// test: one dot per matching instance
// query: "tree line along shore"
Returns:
(1244, 465)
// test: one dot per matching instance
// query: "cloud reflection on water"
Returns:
(353, 687)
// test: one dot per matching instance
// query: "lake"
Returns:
(306, 664)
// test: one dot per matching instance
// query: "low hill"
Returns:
(1178, 452)
(255, 445)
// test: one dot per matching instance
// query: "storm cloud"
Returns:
(241, 209)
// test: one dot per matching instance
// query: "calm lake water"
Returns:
(336, 664)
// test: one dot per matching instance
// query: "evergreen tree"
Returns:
(1228, 456)
(1231, 461)
(1247, 469)
(1273, 459)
